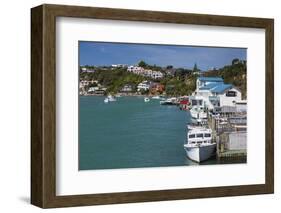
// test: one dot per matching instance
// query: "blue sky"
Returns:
(101, 53)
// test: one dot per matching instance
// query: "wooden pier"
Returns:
(230, 134)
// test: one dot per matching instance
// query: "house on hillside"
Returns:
(127, 88)
(145, 85)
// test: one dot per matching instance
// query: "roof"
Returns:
(211, 79)
(216, 87)
(221, 88)
(209, 86)
(184, 102)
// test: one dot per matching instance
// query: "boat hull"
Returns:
(200, 153)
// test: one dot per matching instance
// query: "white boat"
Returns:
(198, 112)
(111, 98)
(146, 99)
(105, 100)
(199, 145)
(156, 97)
(169, 101)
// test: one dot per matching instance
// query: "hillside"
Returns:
(235, 74)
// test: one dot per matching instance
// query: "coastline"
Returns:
(133, 95)
(122, 95)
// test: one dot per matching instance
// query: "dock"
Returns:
(229, 129)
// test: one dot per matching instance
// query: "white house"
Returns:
(119, 65)
(157, 74)
(145, 72)
(127, 88)
(145, 85)
(93, 89)
(135, 69)
(216, 93)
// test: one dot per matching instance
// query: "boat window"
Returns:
(207, 135)
(191, 136)
(199, 135)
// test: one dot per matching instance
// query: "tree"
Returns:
(235, 61)
(169, 67)
(142, 64)
(195, 69)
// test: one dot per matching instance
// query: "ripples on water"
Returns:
(130, 133)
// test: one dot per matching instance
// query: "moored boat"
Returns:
(199, 145)
(111, 98)
(156, 97)
(146, 99)
(169, 101)
(198, 112)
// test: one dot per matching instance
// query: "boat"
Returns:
(146, 99)
(156, 97)
(199, 145)
(111, 98)
(198, 112)
(169, 101)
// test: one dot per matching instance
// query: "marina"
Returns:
(141, 114)
(139, 131)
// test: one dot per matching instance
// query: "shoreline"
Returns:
(131, 95)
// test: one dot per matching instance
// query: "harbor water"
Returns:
(130, 133)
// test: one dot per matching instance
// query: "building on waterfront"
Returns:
(241, 106)
(215, 93)
(93, 89)
(184, 104)
(127, 88)
(84, 83)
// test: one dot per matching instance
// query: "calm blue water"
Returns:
(130, 133)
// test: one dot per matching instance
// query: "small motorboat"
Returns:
(105, 100)
(156, 97)
(146, 99)
(111, 98)
(168, 101)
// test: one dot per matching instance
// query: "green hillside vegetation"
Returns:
(113, 79)
(182, 82)
(235, 74)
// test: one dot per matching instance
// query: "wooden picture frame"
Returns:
(43, 105)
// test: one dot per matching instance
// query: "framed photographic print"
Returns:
(136, 106)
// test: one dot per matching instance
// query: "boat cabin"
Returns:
(199, 135)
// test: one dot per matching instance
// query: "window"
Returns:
(231, 94)
(199, 135)
(207, 135)
(191, 136)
